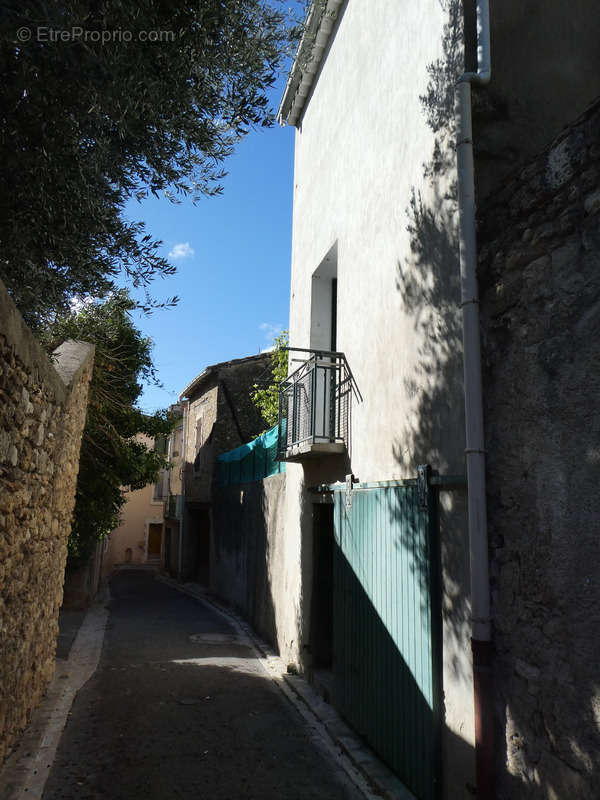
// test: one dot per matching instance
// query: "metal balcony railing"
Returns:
(315, 404)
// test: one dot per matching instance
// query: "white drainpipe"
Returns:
(475, 452)
(470, 305)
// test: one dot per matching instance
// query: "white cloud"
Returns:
(78, 304)
(182, 250)
(270, 330)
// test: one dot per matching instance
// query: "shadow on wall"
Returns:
(546, 645)
(428, 281)
(198, 474)
(249, 551)
(244, 550)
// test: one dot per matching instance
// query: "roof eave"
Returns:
(189, 389)
(320, 24)
(214, 369)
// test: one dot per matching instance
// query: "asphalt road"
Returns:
(180, 708)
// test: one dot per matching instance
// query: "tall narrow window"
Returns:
(323, 306)
(321, 392)
(198, 444)
(334, 314)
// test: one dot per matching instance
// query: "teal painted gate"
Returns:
(386, 626)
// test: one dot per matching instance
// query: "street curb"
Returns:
(368, 774)
(26, 770)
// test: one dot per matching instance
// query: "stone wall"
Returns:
(236, 412)
(540, 302)
(42, 414)
(221, 416)
(200, 444)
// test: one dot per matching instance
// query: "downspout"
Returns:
(182, 512)
(475, 444)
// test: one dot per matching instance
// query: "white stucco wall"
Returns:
(361, 147)
(359, 153)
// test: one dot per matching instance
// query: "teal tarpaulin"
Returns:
(252, 461)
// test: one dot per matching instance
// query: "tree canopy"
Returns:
(107, 101)
(111, 455)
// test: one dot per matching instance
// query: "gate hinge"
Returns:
(423, 471)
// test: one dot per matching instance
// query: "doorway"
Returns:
(322, 588)
(154, 541)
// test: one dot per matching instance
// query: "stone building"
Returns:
(172, 501)
(218, 416)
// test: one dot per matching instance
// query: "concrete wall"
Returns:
(374, 175)
(540, 301)
(249, 542)
(42, 414)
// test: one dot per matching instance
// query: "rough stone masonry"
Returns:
(42, 414)
(540, 302)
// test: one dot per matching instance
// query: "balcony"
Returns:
(315, 404)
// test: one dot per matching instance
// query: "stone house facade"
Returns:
(218, 416)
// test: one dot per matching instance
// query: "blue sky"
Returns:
(233, 264)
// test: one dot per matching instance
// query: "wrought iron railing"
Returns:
(315, 403)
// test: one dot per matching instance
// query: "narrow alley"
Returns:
(180, 707)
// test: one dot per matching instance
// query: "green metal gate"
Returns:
(387, 627)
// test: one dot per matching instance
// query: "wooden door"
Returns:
(154, 539)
